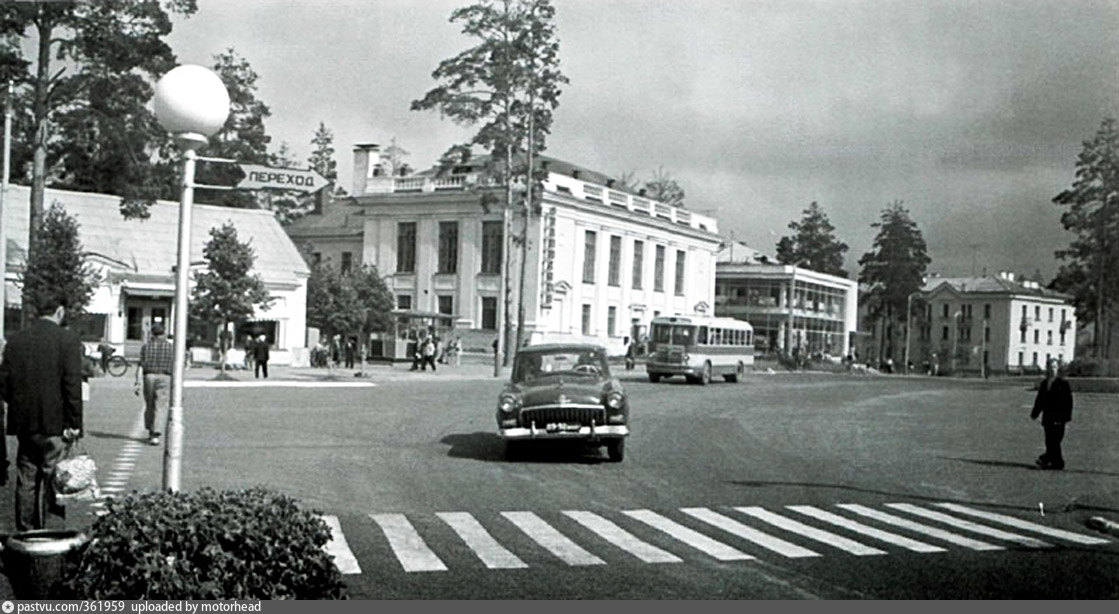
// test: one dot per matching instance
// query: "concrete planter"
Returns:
(36, 561)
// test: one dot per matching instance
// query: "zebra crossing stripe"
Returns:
(338, 548)
(492, 554)
(1018, 523)
(970, 526)
(831, 539)
(695, 539)
(734, 527)
(622, 538)
(551, 539)
(896, 521)
(869, 531)
(406, 543)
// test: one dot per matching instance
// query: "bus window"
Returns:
(701, 338)
(683, 335)
(662, 333)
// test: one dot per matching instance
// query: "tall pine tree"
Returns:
(813, 244)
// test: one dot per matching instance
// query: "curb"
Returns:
(1104, 525)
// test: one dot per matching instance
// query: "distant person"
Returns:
(261, 355)
(428, 353)
(249, 346)
(351, 350)
(631, 353)
(41, 381)
(1054, 404)
(106, 352)
(157, 358)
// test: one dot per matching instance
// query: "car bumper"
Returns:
(661, 368)
(611, 431)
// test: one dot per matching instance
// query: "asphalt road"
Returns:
(429, 508)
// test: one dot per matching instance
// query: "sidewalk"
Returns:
(373, 372)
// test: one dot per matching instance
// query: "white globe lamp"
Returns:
(191, 102)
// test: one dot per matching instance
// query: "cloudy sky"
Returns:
(972, 112)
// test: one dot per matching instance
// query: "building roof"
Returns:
(150, 246)
(992, 284)
(339, 217)
(737, 252)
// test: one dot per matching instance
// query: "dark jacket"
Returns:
(41, 379)
(260, 351)
(1053, 402)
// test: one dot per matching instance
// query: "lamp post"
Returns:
(191, 103)
(955, 338)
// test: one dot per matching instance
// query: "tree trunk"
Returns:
(529, 181)
(39, 108)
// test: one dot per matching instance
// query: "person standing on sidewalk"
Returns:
(1054, 404)
(157, 362)
(261, 354)
(41, 380)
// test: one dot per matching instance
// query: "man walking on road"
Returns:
(41, 380)
(1054, 404)
(157, 361)
(261, 356)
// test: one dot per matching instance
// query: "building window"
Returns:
(680, 268)
(1023, 312)
(1037, 336)
(347, 262)
(614, 275)
(946, 310)
(1021, 357)
(493, 237)
(987, 312)
(489, 313)
(448, 247)
(403, 301)
(1035, 359)
(586, 319)
(588, 256)
(1062, 337)
(446, 304)
(1037, 313)
(406, 247)
(986, 334)
(944, 334)
(1049, 338)
(658, 270)
(1023, 336)
(1050, 314)
(638, 264)
(612, 320)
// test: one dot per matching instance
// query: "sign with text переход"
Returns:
(266, 178)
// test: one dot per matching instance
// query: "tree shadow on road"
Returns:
(490, 447)
(908, 495)
(104, 435)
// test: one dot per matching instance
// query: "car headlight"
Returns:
(508, 402)
(615, 400)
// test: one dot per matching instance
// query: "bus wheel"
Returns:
(705, 377)
(739, 371)
(654, 377)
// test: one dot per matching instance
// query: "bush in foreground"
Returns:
(251, 544)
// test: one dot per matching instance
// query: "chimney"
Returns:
(366, 158)
(575, 174)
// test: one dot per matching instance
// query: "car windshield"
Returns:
(535, 365)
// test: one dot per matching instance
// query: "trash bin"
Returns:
(36, 561)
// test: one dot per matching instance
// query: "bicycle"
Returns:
(118, 365)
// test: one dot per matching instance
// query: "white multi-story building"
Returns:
(601, 261)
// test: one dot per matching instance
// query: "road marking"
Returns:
(339, 549)
(970, 526)
(695, 539)
(551, 539)
(273, 384)
(493, 554)
(951, 538)
(869, 531)
(622, 538)
(831, 539)
(1028, 526)
(734, 527)
(406, 544)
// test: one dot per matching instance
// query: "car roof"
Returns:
(551, 347)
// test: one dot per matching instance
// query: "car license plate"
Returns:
(560, 427)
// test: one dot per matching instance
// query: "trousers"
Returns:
(157, 393)
(1054, 434)
(35, 461)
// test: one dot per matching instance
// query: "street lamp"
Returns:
(191, 103)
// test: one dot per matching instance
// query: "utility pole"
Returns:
(3, 202)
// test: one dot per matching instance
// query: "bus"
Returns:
(699, 348)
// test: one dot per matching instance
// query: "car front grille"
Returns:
(583, 415)
(670, 355)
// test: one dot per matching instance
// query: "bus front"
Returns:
(673, 340)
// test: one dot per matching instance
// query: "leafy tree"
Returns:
(374, 296)
(893, 269)
(813, 244)
(1092, 214)
(507, 85)
(664, 188)
(333, 303)
(58, 268)
(86, 124)
(322, 156)
(392, 160)
(227, 291)
(287, 205)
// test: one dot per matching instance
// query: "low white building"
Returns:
(135, 259)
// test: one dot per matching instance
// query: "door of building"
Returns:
(140, 314)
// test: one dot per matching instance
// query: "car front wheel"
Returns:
(616, 450)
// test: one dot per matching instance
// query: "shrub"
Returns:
(1084, 367)
(251, 544)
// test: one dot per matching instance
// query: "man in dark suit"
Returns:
(1054, 404)
(41, 380)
